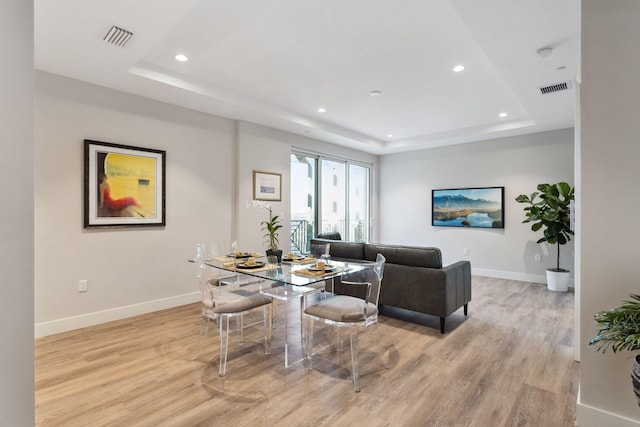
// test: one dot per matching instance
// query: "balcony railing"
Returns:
(301, 233)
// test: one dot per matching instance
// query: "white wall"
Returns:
(264, 149)
(130, 271)
(517, 163)
(210, 163)
(16, 215)
(610, 199)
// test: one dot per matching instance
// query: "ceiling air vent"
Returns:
(118, 36)
(558, 87)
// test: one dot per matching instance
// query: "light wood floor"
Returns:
(510, 363)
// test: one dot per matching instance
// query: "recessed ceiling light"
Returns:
(182, 58)
(502, 115)
(375, 93)
(322, 110)
(389, 135)
(458, 68)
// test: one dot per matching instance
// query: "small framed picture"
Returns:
(267, 186)
(124, 186)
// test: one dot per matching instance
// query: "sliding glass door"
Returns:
(333, 197)
(359, 212)
(328, 195)
(303, 201)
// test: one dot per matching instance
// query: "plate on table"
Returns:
(294, 258)
(245, 265)
(244, 255)
(327, 268)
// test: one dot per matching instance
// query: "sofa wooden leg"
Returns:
(465, 309)
(442, 325)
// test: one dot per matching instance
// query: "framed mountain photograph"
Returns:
(481, 207)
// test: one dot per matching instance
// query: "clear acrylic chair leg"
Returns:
(204, 325)
(268, 327)
(353, 335)
(309, 345)
(240, 327)
(224, 345)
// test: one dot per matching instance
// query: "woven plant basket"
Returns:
(635, 377)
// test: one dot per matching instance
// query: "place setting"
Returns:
(243, 255)
(250, 263)
(292, 258)
(319, 269)
(236, 255)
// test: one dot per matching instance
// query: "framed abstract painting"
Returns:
(124, 186)
(468, 207)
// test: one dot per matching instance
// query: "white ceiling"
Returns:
(276, 62)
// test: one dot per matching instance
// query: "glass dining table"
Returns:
(287, 281)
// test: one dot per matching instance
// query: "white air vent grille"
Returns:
(118, 36)
(558, 87)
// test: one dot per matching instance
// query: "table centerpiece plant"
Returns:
(270, 229)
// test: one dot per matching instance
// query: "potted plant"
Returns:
(270, 228)
(620, 330)
(549, 209)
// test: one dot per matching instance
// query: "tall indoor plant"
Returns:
(619, 329)
(549, 209)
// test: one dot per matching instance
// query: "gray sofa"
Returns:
(414, 278)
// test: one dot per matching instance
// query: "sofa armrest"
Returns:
(458, 285)
(435, 291)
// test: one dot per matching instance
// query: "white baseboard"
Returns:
(89, 319)
(588, 416)
(510, 275)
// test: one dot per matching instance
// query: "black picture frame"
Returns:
(473, 207)
(124, 186)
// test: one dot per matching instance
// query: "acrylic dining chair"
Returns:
(347, 311)
(222, 301)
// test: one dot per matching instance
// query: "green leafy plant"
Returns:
(549, 209)
(619, 327)
(270, 227)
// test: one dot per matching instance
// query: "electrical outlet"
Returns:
(465, 252)
(83, 286)
(537, 258)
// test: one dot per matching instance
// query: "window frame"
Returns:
(319, 157)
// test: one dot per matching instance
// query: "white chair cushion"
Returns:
(342, 308)
(238, 300)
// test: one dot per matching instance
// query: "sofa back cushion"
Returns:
(334, 235)
(344, 250)
(405, 255)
